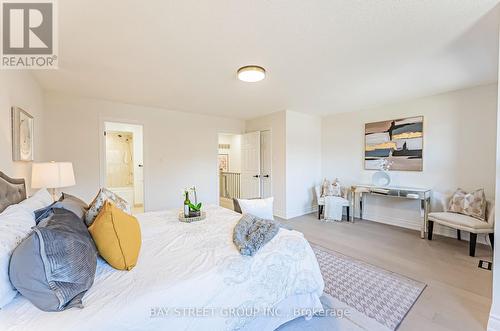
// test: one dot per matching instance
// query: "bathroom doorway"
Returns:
(123, 163)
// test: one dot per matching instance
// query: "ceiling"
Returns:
(322, 56)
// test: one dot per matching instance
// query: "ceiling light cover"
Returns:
(251, 73)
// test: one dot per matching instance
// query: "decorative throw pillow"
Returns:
(262, 208)
(55, 266)
(73, 204)
(251, 233)
(331, 188)
(66, 197)
(327, 188)
(98, 203)
(117, 236)
(472, 204)
(336, 189)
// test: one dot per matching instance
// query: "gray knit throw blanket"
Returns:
(251, 233)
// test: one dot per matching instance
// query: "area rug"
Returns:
(372, 298)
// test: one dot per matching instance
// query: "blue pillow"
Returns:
(55, 266)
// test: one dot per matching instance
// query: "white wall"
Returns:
(296, 159)
(494, 320)
(19, 88)
(234, 152)
(459, 149)
(303, 162)
(276, 122)
(180, 149)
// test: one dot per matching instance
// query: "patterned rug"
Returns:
(379, 294)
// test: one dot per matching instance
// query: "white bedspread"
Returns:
(183, 267)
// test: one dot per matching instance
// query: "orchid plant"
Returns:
(192, 190)
(386, 164)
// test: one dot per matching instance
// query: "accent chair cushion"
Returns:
(117, 236)
(455, 220)
(472, 204)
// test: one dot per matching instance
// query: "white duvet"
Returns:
(190, 277)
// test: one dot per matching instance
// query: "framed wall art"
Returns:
(22, 135)
(395, 144)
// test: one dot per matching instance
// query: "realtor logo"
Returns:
(28, 34)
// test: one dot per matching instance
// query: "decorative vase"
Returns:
(381, 179)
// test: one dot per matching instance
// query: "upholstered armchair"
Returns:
(463, 222)
(321, 200)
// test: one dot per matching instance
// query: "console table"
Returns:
(424, 195)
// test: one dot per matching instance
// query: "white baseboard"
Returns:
(415, 224)
(301, 212)
(494, 323)
(279, 213)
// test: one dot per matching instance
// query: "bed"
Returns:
(189, 277)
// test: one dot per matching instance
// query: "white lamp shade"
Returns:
(52, 175)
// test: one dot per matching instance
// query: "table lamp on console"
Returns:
(52, 175)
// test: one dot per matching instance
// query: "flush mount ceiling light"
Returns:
(251, 74)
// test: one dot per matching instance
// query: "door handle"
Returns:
(256, 176)
(266, 176)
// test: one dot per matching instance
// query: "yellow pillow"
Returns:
(117, 236)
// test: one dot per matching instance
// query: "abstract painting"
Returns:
(22, 135)
(224, 162)
(395, 144)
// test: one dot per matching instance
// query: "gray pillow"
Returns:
(55, 266)
(74, 204)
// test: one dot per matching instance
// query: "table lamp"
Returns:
(52, 175)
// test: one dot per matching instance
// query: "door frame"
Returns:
(102, 151)
(241, 133)
(216, 163)
(270, 161)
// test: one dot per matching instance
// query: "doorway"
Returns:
(244, 166)
(123, 168)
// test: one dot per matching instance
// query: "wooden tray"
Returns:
(192, 219)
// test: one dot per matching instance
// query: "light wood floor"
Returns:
(458, 293)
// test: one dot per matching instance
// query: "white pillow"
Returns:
(15, 225)
(40, 199)
(262, 208)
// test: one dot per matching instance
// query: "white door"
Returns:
(250, 165)
(265, 164)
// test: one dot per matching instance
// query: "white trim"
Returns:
(280, 214)
(102, 151)
(415, 224)
(301, 212)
